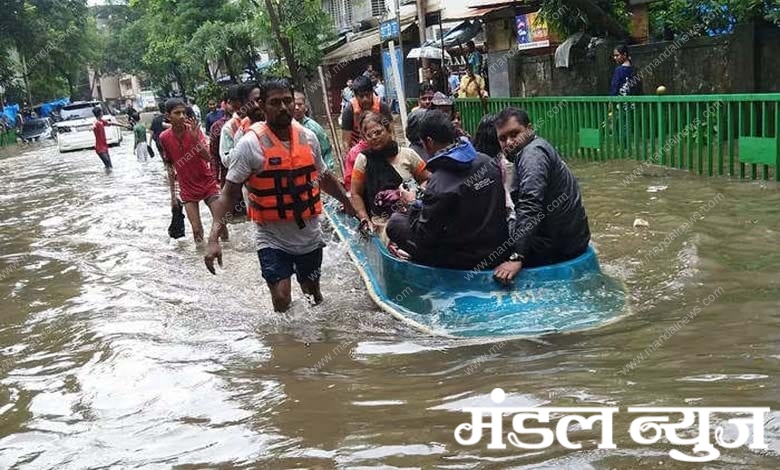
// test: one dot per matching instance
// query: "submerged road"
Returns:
(119, 350)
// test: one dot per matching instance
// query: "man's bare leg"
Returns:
(312, 288)
(281, 294)
(193, 214)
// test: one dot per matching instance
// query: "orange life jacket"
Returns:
(234, 124)
(287, 187)
(357, 111)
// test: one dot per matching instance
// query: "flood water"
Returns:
(119, 350)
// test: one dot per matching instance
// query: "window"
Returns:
(378, 8)
(341, 12)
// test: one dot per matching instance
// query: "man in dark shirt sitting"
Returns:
(460, 220)
(551, 225)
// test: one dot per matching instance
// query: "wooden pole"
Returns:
(336, 139)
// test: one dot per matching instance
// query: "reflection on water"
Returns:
(119, 349)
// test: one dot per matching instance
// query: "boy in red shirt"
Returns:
(186, 156)
(101, 144)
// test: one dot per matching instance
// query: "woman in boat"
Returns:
(385, 175)
(486, 141)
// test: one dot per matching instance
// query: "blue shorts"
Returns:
(277, 265)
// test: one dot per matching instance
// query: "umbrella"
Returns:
(427, 52)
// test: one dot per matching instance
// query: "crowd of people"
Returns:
(502, 200)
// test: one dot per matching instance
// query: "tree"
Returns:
(54, 42)
(299, 27)
(595, 17)
(718, 16)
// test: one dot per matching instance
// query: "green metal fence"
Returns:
(736, 135)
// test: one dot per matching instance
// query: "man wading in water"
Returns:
(280, 164)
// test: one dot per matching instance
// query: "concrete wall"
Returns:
(769, 71)
(743, 62)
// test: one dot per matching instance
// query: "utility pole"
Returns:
(421, 19)
(421, 27)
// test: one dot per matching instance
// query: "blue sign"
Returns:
(387, 72)
(388, 30)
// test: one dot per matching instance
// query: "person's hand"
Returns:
(193, 126)
(507, 271)
(408, 196)
(213, 251)
(366, 228)
(349, 209)
(397, 252)
(174, 202)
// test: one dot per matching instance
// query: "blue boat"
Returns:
(564, 297)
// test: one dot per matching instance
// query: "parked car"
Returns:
(74, 131)
(37, 130)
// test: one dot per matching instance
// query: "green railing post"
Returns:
(661, 135)
(730, 145)
(764, 133)
(777, 140)
(753, 130)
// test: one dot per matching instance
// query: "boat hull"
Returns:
(569, 296)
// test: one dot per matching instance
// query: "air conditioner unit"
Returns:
(432, 33)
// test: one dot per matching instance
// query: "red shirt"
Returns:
(101, 145)
(196, 180)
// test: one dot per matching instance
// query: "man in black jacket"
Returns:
(460, 220)
(551, 225)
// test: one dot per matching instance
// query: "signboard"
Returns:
(387, 72)
(388, 30)
(530, 32)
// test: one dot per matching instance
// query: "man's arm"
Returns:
(333, 186)
(531, 173)
(248, 159)
(171, 181)
(327, 180)
(228, 199)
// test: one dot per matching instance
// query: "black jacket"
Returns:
(551, 224)
(461, 219)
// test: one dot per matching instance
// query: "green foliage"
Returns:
(565, 18)
(683, 16)
(306, 25)
(209, 91)
(55, 39)
(163, 41)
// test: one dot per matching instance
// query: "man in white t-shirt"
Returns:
(279, 162)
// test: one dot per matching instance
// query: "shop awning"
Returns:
(360, 45)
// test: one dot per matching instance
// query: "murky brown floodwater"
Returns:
(119, 350)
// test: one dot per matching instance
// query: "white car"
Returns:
(74, 131)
